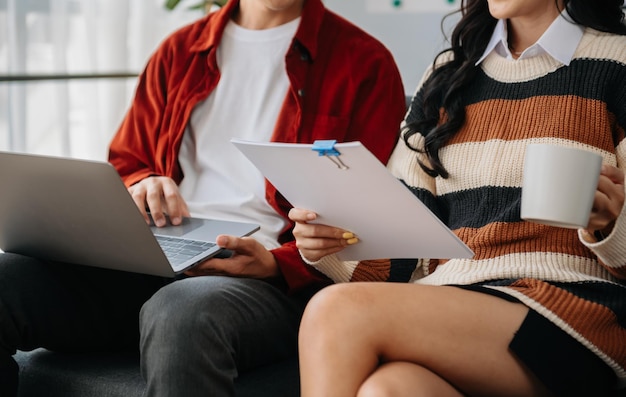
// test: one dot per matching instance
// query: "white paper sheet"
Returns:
(366, 199)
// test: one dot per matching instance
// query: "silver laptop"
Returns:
(79, 211)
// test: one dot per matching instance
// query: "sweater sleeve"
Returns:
(392, 270)
(610, 251)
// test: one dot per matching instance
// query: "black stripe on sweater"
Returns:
(595, 79)
(587, 78)
(473, 208)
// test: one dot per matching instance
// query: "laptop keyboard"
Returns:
(179, 250)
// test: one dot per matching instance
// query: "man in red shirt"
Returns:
(277, 70)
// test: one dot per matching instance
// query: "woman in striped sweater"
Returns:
(539, 310)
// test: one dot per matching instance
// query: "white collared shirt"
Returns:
(559, 41)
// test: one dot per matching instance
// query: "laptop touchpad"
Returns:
(186, 226)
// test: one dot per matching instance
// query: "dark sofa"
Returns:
(47, 374)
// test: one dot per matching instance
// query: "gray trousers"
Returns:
(197, 333)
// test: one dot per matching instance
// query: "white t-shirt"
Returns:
(219, 181)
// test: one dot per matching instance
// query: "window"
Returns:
(68, 67)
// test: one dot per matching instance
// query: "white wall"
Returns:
(412, 31)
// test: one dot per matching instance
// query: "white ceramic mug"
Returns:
(559, 184)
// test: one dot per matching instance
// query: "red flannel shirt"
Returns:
(345, 85)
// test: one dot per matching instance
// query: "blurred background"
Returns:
(68, 67)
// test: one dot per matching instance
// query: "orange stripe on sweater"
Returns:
(372, 270)
(596, 323)
(499, 238)
(566, 117)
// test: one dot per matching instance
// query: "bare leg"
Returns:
(403, 379)
(461, 336)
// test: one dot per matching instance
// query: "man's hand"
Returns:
(249, 259)
(160, 195)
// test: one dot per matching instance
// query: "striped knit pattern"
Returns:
(577, 285)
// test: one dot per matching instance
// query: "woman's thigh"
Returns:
(463, 336)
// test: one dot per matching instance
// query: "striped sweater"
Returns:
(577, 285)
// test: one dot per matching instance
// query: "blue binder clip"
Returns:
(327, 148)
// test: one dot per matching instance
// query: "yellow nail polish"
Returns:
(347, 235)
(353, 240)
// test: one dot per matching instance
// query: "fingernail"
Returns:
(347, 235)
(353, 240)
(175, 220)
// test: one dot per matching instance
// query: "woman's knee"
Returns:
(334, 304)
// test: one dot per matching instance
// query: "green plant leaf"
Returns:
(171, 4)
(202, 5)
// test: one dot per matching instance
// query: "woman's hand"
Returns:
(315, 241)
(608, 201)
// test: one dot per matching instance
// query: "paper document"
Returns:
(352, 189)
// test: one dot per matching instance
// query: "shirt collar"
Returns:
(559, 41)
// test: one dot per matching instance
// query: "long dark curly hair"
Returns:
(443, 89)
